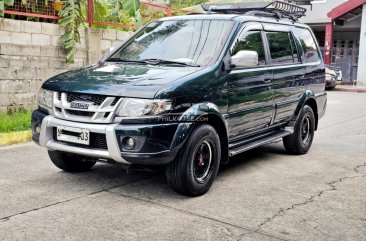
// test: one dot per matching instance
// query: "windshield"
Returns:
(194, 42)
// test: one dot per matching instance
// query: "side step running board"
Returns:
(259, 142)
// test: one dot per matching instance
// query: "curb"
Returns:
(15, 137)
(350, 89)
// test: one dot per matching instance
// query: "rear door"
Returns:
(315, 73)
(250, 96)
(288, 71)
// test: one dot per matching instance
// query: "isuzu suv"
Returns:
(189, 92)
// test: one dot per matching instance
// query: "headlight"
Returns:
(45, 100)
(142, 107)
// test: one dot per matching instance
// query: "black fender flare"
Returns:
(198, 113)
(305, 97)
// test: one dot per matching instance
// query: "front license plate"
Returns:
(73, 135)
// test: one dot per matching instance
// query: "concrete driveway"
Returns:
(264, 194)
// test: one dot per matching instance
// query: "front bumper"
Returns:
(331, 81)
(153, 140)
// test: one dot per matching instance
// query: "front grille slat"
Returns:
(96, 99)
(115, 101)
(99, 110)
(80, 113)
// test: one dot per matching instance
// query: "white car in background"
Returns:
(339, 72)
(331, 77)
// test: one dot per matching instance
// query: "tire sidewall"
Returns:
(307, 111)
(70, 162)
(187, 158)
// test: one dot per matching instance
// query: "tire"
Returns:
(194, 169)
(69, 162)
(300, 141)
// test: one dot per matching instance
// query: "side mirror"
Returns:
(245, 58)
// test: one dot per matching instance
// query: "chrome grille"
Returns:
(101, 109)
(95, 99)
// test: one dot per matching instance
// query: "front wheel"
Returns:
(70, 162)
(300, 141)
(194, 170)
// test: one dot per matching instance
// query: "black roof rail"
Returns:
(279, 9)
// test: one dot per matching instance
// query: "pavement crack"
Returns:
(358, 167)
(149, 201)
(282, 211)
(7, 218)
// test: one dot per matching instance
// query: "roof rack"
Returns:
(277, 9)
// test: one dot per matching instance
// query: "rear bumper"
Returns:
(330, 80)
(153, 141)
(331, 83)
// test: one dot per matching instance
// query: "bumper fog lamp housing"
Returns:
(128, 143)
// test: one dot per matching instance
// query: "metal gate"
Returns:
(345, 56)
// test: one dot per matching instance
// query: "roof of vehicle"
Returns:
(234, 17)
(277, 11)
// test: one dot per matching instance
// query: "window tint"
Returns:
(308, 45)
(281, 49)
(188, 41)
(251, 40)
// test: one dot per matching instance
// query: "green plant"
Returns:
(148, 15)
(71, 19)
(15, 121)
(186, 3)
(112, 11)
(35, 6)
(4, 3)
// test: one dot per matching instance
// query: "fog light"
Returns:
(37, 129)
(128, 143)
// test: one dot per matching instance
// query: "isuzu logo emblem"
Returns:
(79, 105)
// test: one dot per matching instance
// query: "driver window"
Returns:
(251, 40)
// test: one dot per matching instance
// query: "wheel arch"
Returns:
(308, 98)
(221, 128)
(312, 103)
(207, 113)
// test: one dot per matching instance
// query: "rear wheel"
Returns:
(194, 170)
(302, 138)
(70, 162)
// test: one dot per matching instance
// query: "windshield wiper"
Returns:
(150, 61)
(163, 61)
(125, 60)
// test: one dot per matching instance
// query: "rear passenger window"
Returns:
(282, 48)
(308, 45)
(251, 40)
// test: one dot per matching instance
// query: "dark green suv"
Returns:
(189, 92)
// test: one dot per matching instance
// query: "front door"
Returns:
(250, 94)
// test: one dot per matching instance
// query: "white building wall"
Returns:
(361, 78)
(318, 12)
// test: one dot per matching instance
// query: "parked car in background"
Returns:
(331, 77)
(339, 74)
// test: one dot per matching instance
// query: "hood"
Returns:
(115, 79)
